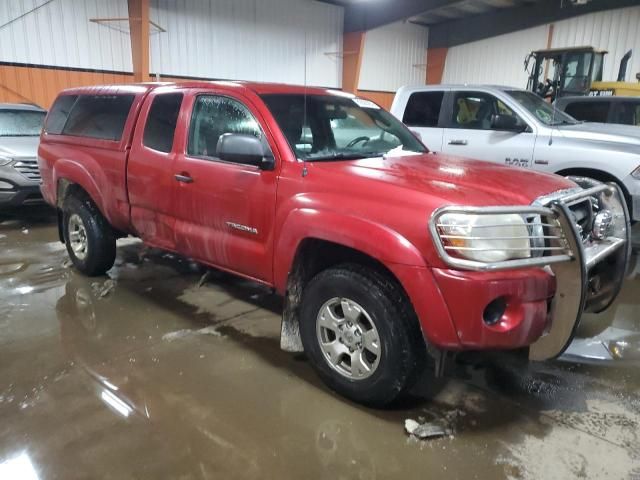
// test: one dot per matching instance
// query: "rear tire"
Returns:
(361, 334)
(90, 240)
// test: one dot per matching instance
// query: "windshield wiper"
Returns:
(562, 122)
(344, 156)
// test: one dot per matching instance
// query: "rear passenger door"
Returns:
(422, 115)
(469, 132)
(150, 168)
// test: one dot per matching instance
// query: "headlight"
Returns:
(5, 160)
(636, 173)
(486, 238)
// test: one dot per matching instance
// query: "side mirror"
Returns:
(245, 149)
(506, 122)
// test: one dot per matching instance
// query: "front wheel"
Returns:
(361, 334)
(89, 238)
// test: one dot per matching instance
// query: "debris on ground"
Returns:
(25, 231)
(425, 430)
(67, 263)
(204, 278)
(210, 330)
(104, 289)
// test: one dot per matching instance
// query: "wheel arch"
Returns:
(313, 256)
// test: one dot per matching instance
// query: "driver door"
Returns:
(224, 211)
(468, 131)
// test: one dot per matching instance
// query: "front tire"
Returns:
(361, 334)
(90, 240)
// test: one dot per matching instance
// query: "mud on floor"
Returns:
(151, 373)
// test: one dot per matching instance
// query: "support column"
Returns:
(436, 59)
(139, 28)
(352, 50)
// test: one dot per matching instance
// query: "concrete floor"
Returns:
(148, 375)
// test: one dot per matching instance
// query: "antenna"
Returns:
(304, 107)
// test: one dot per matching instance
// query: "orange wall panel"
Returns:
(39, 85)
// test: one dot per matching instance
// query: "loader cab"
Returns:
(558, 72)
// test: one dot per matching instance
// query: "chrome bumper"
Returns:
(591, 281)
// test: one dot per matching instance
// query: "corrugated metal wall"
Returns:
(60, 33)
(499, 60)
(496, 60)
(261, 40)
(394, 55)
(614, 30)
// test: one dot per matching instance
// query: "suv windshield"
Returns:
(20, 123)
(328, 127)
(543, 111)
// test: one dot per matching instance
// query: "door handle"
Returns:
(457, 142)
(183, 177)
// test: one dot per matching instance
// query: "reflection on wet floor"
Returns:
(148, 374)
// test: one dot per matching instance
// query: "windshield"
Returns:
(20, 123)
(543, 111)
(329, 127)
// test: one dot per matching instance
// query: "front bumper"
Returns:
(19, 188)
(20, 197)
(543, 297)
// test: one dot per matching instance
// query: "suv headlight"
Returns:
(5, 160)
(486, 238)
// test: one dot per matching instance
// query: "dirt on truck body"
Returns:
(386, 255)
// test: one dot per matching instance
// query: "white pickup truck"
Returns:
(516, 127)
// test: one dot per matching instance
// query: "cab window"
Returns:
(423, 109)
(627, 113)
(212, 117)
(161, 122)
(474, 110)
(589, 111)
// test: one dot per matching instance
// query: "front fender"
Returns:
(370, 238)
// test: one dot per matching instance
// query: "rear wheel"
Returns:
(90, 240)
(361, 334)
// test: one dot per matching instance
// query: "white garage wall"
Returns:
(614, 30)
(497, 60)
(59, 33)
(394, 55)
(260, 40)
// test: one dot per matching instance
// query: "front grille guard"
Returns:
(578, 265)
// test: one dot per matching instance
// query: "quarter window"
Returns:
(161, 122)
(423, 109)
(99, 116)
(213, 116)
(59, 113)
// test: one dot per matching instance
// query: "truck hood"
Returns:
(446, 180)
(603, 132)
(15, 147)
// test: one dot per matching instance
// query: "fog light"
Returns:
(5, 185)
(494, 311)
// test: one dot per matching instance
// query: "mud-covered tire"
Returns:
(402, 351)
(80, 214)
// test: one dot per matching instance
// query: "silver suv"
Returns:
(20, 127)
(516, 127)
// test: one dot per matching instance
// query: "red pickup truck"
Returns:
(388, 256)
